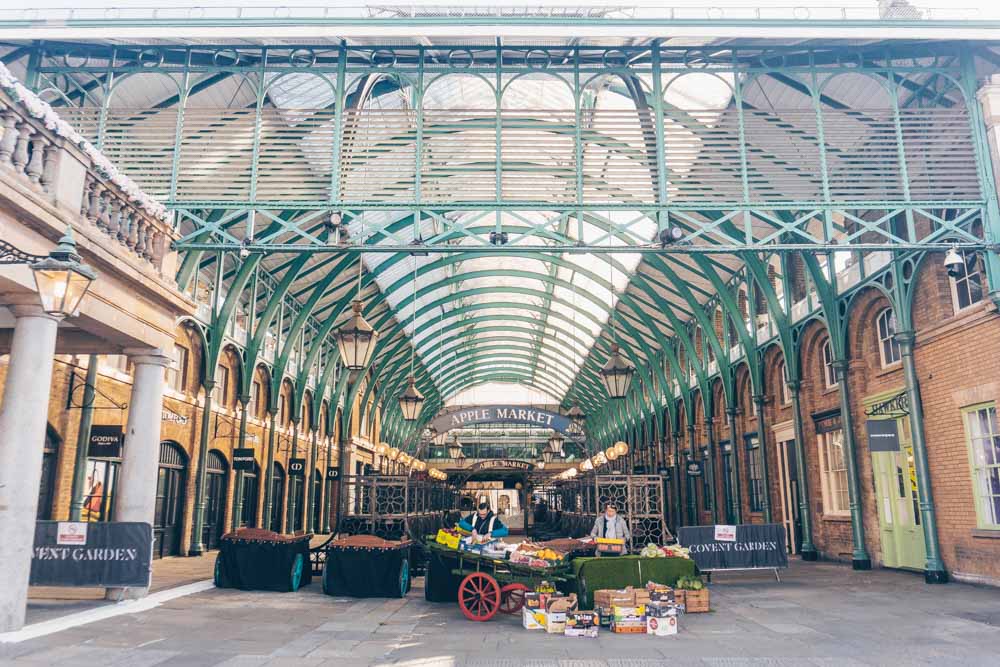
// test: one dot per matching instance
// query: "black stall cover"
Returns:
(261, 564)
(750, 546)
(365, 573)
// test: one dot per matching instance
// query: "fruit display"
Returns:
(537, 556)
(670, 551)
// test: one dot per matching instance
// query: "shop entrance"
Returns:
(788, 483)
(277, 498)
(169, 501)
(899, 504)
(248, 513)
(215, 507)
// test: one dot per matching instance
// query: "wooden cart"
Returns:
(491, 585)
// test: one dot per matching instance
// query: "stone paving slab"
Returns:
(821, 614)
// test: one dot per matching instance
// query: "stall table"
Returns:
(254, 559)
(593, 574)
(366, 566)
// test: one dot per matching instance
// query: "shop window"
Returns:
(283, 410)
(786, 395)
(967, 286)
(888, 348)
(829, 373)
(253, 407)
(220, 393)
(754, 468)
(833, 472)
(102, 477)
(983, 438)
(177, 377)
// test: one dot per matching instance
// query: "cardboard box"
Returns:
(609, 598)
(661, 627)
(562, 603)
(582, 619)
(533, 619)
(589, 632)
(620, 612)
(556, 623)
(661, 595)
(533, 600)
(603, 616)
(661, 609)
(630, 625)
(640, 596)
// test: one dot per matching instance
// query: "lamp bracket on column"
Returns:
(74, 398)
(12, 255)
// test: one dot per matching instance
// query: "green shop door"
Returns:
(898, 503)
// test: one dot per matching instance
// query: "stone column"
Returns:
(135, 498)
(23, 417)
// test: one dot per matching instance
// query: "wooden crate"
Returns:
(696, 601)
(679, 597)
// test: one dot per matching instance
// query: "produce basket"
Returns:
(696, 601)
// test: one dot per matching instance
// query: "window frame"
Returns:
(887, 339)
(975, 468)
(966, 278)
(830, 508)
(220, 392)
(830, 380)
(755, 472)
(784, 393)
(178, 373)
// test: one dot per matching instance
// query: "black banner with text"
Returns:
(67, 553)
(735, 547)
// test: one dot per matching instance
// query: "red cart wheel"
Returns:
(479, 596)
(512, 598)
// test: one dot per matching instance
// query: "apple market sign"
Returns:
(502, 464)
(504, 414)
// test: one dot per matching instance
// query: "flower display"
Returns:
(41, 110)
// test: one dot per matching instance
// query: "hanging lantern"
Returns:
(571, 473)
(621, 448)
(576, 415)
(356, 340)
(455, 448)
(556, 443)
(411, 401)
(547, 456)
(617, 373)
(393, 453)
(540, 464)
(382, 448)
(600, 458)
(611, 453)
(586, 465)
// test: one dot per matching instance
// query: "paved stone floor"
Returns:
(820, 614)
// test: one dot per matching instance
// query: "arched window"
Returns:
(888, 348)
(786, 396)
(829, 374)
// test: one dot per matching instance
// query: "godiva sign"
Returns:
(503, 414)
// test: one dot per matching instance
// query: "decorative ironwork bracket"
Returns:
(12, 255)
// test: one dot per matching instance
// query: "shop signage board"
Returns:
(502, 464)
(243, 458)
(883, 435)
(98, 554)
(333, 472)
(694, 468)
(504, 414)
(743, 547)
(105, 442)
(297, 467)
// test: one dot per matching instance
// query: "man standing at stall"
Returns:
(484, 524)
(611, 526)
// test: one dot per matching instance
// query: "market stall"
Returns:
(256, 559)
(366, 566)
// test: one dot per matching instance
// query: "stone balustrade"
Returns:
(53, 165)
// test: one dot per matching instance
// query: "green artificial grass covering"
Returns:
(594, 574)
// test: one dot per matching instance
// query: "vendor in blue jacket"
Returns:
(484, 524)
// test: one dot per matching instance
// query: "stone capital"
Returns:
(33, 310)
(153, 356)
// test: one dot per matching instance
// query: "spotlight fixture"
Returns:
(498, 238)
(670, 235)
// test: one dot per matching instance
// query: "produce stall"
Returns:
(489, 578)
(591, 574)
(255, 559)
(366, 566)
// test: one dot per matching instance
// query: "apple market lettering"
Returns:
(486, 414)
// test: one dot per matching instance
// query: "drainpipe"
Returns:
(83, 440)
(269, 475)
(709, 421)
(691, 499)
(734, 467)
(197, 527)
(860, 557)
(808, 551)
(238, 478)
(765, 477)
(934, 572)
(290, 522)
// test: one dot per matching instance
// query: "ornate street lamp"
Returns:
(556, 443)
(356, 339)
(60, 277)
(547, 455)
(411, 401)
(617, 373)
